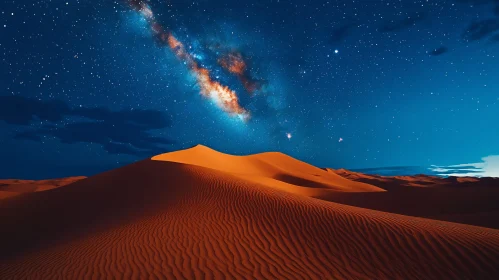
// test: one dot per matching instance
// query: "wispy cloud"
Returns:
(118, 132)
(489, 167)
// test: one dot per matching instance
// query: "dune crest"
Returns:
(271, 168)
(196, 214)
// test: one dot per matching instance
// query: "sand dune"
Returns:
(195, 214)
(273, 168)
(463, 200)
(397, 183)
(13, 187)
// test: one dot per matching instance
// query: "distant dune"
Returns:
(471, 201)
(13, 187)
(201, 214)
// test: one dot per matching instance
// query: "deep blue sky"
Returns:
(85, 86)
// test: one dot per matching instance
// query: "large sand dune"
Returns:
(202, 214)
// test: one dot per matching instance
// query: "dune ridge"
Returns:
(162, 218)
(271, 166)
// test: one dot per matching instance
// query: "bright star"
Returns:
(336, 51)
(289, 135)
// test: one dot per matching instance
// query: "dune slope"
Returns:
(161, 219)
(472, 201)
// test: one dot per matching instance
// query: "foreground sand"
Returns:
(201, 214)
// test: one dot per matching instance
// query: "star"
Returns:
(340, 140)
(289, 135)
(336, 51)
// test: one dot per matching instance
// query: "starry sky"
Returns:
(391, 87)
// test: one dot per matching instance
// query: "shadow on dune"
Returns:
(472, 203)
(290, 179)
(84, 207)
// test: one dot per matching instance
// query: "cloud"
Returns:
(151, 119)
(393, 170)
(398, 25)
(118, 132)
(494, 3)
(480, 29)
(489, 167)
(340, 33)
(477, 2)
(439, 51)
(22, 111)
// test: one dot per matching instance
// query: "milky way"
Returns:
(222, 95)
(236, 64)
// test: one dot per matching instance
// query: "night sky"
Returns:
(87, 86)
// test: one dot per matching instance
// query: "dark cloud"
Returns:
(481, 29)
(396, 170)
(476, 2)
(439, 51)
(401, 24)
(494, 3)
(386, 168)
(115, 148)
(22, 111)
(478, 30)
(118, 132)
(148, 118)
(340, 33)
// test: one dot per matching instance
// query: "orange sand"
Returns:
(202, 214)
(463, 200)
(13, 187)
